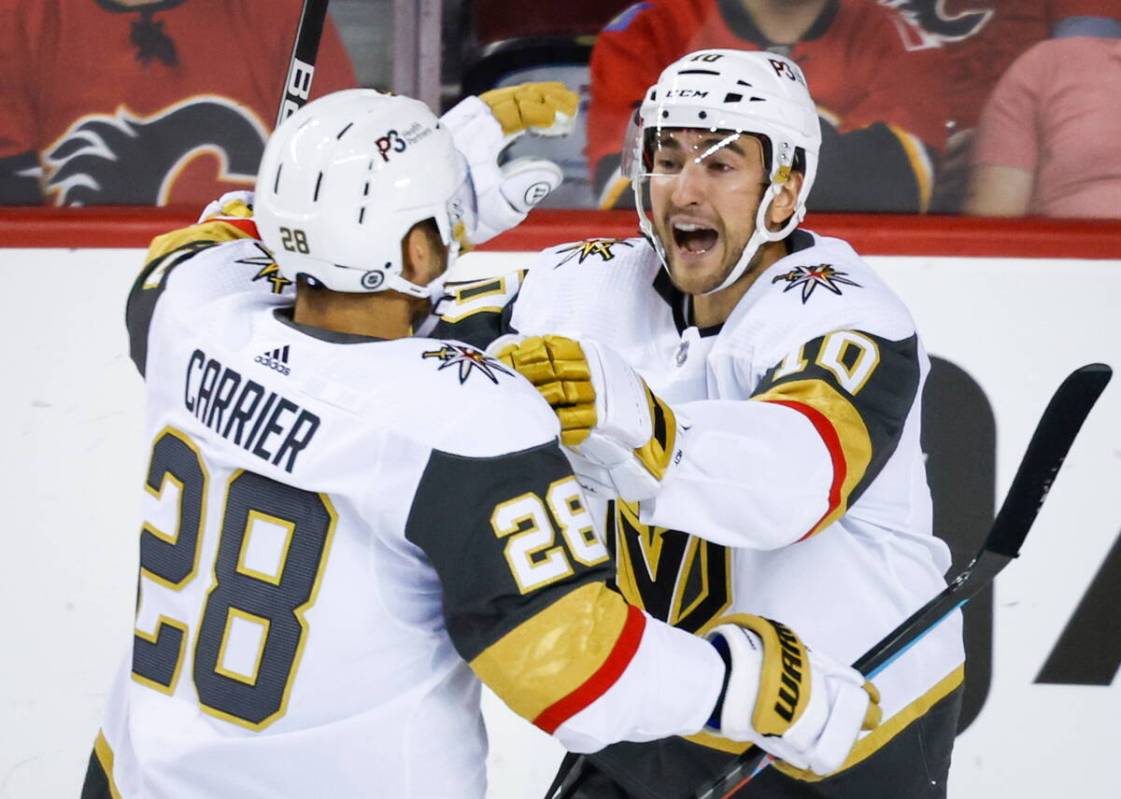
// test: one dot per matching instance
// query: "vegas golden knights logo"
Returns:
(673, 576)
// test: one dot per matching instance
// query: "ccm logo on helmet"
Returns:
(686, 93)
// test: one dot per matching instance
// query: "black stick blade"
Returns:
(1049, 446)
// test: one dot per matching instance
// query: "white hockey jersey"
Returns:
(802, 493)
(341, 536)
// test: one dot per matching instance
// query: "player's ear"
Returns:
(425, 255)
(786, 201)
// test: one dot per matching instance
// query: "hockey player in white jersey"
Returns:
(346, 528)
(746, 394)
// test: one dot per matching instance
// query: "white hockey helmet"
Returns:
(736, 91)
(343, 180)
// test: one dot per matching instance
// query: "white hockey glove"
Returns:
(609, 417)
(795, 704)
(232, 203)
(484, 126)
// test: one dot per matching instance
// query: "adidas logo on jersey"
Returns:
(275, 359)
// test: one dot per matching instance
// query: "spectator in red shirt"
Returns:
(144, 101)
(981, 39)
(1049, 140)
(881, 92)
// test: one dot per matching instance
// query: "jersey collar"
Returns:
(284, 316)
(680, 304)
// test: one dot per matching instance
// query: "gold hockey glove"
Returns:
(796, 704)
(547, 109)
(484, 126)
(608, 415)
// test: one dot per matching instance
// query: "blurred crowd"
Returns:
(988, 107)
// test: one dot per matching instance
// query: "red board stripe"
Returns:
(870, 234)
(604, 677)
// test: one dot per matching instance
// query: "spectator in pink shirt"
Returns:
(1049, 139)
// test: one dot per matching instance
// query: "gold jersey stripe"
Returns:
(602, 679)
(841, 428)
(216, 231)
(552, 654)
(710, 741)
(104, 754)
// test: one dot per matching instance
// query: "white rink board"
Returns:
(73, 463)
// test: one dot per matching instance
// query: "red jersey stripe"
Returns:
(832, 441)
(604, 677)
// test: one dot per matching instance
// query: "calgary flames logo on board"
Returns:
(123, 158)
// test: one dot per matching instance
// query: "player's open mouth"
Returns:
(694, 238)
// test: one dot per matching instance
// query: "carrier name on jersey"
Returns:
(245, 413)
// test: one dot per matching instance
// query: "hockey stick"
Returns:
(301, 66)
(1049, 445)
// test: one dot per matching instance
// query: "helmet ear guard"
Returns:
(740, 92)
(345, 178)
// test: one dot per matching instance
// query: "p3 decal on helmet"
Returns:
(391, 142)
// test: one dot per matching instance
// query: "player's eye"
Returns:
(719, 166)
(664, 162)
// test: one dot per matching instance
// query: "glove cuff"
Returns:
(720, 644)
(743, 656)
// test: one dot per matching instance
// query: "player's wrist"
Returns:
(721, 646)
